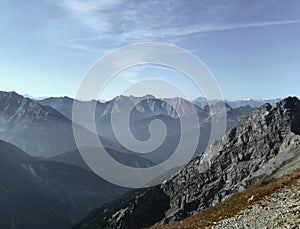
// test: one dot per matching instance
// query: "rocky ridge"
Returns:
(253, 150)
(271, 203)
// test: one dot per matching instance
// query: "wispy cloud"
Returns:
(119, 22)
(133, 74)
(215, 28)
(91, 13)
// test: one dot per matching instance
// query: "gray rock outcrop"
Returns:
(256, 148)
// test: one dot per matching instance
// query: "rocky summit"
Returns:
(257, 147)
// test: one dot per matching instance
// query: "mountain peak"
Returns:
(254, 149)
(291, 102)
(132, 97)
(23, 120)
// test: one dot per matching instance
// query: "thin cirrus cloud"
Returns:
(89, 12)
(120, 23)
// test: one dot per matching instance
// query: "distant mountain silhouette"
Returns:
(74, 158)
(34, 128)
(254, 103)
(147, 109)
(38, 194)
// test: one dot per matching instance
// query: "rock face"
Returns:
(257, 147)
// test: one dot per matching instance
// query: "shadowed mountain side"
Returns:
(46, 194)
(74, 158)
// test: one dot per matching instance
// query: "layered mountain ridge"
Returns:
(34, 128)
(146, 109)
(36, 193)
(37, 126)
(257, 147)
(254, 103)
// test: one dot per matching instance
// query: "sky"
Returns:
(251, 47)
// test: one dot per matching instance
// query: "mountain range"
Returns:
(36, 126)
(43, 174)
(147, 109)
(257, 147)
(254, 103)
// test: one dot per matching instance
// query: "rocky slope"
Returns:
(279, 210)
(256, 148)
(46, 194)
(271, 203)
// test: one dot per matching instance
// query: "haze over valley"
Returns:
(149, 114)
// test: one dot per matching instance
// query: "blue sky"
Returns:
(251, 47)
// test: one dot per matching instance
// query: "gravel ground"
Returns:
(280, 210)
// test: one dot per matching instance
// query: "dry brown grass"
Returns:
(236, 203)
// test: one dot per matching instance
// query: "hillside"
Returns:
(74, 158)
(256, 207)
(257, 147)
(38, 194)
